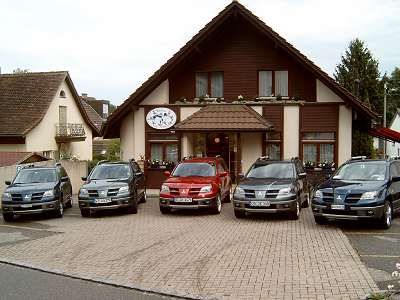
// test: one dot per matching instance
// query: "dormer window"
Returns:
(62, 94)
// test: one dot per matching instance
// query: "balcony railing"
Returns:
(68, 132)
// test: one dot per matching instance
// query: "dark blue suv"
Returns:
(360, 189)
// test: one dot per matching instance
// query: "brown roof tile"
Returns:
(232, 117)
(94, 117)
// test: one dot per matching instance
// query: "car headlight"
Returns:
(164, 189)
(239, 190)
(84, 192)
(6, 196)
(49, 193)
(318, 194)
(285, 191)
(206, 189)
(123, 189)
(369, 195)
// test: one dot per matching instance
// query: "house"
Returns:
(17, 158)
(42, 112)
(102, 107)
(239, 90)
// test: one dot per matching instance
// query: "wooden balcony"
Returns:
(70, 132)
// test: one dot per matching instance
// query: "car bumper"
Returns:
(116, 203)
(276, 206)
(197, 203)
(30, 208)
(349, 213)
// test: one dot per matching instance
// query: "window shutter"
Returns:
(281, 83)
(264, 83)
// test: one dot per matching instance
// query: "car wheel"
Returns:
(217, 209)
(307, 202)
(8, 217)
(240, 214)
(227, 198)
(294, 215)
(133, 208)
(85, 213)
(165, 210)
(60, 210)
(320, 220)
(69, 203)
(386, 219)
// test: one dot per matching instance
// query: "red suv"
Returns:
(196, 183)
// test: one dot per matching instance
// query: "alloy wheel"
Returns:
(219, 203)
(297, 208)
(388, 214)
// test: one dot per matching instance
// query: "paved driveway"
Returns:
(212, 256)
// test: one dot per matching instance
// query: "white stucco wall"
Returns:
(345, 134)
(42, 137)
(393, 149)
(325, 94)
(139, 127)
(257, 108)
(291, 119)
(159, 95)
(187, 145)
(251, 147)
(188, 111)
(127, 137)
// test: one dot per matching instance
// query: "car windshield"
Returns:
(102, 172)
(363, 171)
(277, 170)
(194, 169)
(36, 176)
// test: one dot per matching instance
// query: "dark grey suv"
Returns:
(272, 186)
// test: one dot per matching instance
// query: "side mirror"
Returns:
(167, 173)
(395, 178)
(302, 175)
(223, 174)
(64, 179)
(240, 175)
(336, 177)
(84, 178)
(7, 182)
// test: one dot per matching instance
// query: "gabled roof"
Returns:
(94, 117)
(232, 10)
(16, 158)
(26, 97)
(226, 117)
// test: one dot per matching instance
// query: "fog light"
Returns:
(163, 201)
(126, 201)
(5, 208)
(237, 204)
(286, 205)
(207, 202)
(315, 209)
(51, 206)
(370, 212)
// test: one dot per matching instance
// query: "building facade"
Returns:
(239, 90)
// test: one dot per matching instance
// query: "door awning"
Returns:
(225, 117)
(386, 134)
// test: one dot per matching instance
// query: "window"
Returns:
(163, 148)
(265, 83)
(105, 110)
(281, 83)
(210, 83)
(273, 145)
(62, 94)
(62, 114)
(318, 147)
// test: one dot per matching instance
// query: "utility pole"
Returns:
(384, 117)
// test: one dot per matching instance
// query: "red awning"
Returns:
(386, 134)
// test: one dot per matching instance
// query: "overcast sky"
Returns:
(111, 47)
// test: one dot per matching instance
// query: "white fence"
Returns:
(75, 170)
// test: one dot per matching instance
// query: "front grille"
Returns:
(327, 197)
(112, 192)
(93, 193)
(191, 192)
(353, 198)
(269, 194)
(16, 197)
(194, 191)
(37, 196)
(249, 194)
(272, 194)
(174, 191)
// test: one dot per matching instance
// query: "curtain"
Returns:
(326, 152)
(156, 151)
(201, 84)
(281, 83)
(274, 151)
(172, 152)
(217, 84)
(264, 83)
(309, 152)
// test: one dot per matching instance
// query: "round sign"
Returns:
(161, 118)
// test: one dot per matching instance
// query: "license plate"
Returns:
(26, 205)
(183, 200)
(260, 203)
(337, 206)
(100, 201)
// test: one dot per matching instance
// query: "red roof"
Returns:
(386, 134)
(16, 158)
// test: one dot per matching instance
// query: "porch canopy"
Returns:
(385, 134)
(224, 117)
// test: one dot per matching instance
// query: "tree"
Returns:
(393, 94)
(20, 71)
(358, 73)
(113, 150)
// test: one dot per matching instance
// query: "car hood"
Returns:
(30, 188)
(264, 184)
(180, 182)
(349, 186)
(104, 184)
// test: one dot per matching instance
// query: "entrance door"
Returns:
(218, 144)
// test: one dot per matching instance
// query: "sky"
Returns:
(111, 47)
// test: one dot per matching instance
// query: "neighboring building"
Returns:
(102, 107)
(42, 112)
(17, 158)
(193, 105)
(393, 148)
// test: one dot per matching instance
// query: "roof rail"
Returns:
(102, 162)
(358, 157)
(132, 160)
(216, 156)
(187, 157)
(28, 166)
(266, 157)
(394, 158)
(58, 164)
